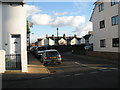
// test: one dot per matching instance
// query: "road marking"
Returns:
(77, 63)
(105, 70)
(114, 68)
(47, 78)
(84, 65)
(65, 76)
(93, 72)
(79, 74)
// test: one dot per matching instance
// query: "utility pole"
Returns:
(57, 36)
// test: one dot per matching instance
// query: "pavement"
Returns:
(36, 70)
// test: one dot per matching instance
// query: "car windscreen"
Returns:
(52, 53)
(41, 48)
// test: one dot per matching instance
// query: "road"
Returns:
(74, 72)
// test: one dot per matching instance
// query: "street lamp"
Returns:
(57, 36)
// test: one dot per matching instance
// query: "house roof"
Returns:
(95, 3)
(87, 36)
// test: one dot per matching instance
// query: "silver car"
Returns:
(51, 57)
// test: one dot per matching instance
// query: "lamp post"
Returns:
(57, 36)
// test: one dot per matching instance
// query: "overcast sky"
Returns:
(70, 17)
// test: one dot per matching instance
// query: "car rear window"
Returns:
(41, 48)
(51, 53)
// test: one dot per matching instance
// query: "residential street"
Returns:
(74, 72)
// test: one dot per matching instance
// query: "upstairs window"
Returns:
(102, 43)
(102, 24)
(115, 20)
(115, 42)
(101, 7)
(113, 2)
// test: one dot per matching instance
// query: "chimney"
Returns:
(75, 36)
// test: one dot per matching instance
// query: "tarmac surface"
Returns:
(36, 70)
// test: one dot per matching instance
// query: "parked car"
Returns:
(32, 49)
(39, 51)
(51, 57)
(89, 47)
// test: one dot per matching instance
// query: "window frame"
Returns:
(101, 7)
(114, 44)
(102, 43)
(101, 25)
(115, 20)
(113, 2)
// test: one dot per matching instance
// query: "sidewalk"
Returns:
(35, 70)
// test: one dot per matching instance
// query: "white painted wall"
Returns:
(74, 41)
(14, 22)
(0, 25)
(82, 40)
(109, 31)
(44, 41)
(51, 42)
(2, 61)
(62, 42)
(91, 39)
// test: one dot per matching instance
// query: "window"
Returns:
(113, 2)
(115, 20)
(102, 43)
(102, 24)
(115, 42)
(101, 7)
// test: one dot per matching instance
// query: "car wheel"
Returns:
(59, 62)
(44, 64)
(41, 61)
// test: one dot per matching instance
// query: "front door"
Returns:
(15, 44)
(13, 60)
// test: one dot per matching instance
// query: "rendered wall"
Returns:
(14, 22)
(0, 26)
(107, 33)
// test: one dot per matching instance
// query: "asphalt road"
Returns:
(74, 72)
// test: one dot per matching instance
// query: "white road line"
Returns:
(114, 68)
(79, 74)
(84, 65)
(93, 72)
(47, 78)
(77, 63)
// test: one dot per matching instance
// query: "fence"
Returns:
(13, 62)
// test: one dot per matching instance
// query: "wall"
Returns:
(0, 26)
(109, 31)
(14, 22)
(2, 61)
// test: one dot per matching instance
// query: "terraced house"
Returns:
(106, 27)
(13, 52)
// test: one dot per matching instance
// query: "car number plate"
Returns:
(52, 57)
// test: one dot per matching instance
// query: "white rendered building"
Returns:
(13, 33)
(106, 26)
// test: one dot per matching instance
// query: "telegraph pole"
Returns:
(57, 36)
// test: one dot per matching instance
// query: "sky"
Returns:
(69, 17)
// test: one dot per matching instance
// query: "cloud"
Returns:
(40, 19)
(68, 21)
(44, 19)
(31, 9)
(83, 29)
(56, 13)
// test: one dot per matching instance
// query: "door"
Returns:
(13, 60)
(15, 44)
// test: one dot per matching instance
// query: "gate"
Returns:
(13, 61)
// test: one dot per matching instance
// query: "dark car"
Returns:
(39, 51)
(51, 57)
